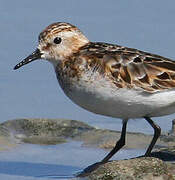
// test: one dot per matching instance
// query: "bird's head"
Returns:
(57, 42)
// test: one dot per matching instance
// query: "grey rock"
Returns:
(143, 168)
(55, 131)
(44, 131)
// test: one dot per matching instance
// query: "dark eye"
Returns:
(57, 40)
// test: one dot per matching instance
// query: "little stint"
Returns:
(108, 79)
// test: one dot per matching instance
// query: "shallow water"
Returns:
(33, 90)
(54, 161)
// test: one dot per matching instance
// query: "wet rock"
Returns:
(168, 139)
(44, 131)
(106, 139)
(43, 140)
(166, 154)
(49, 127)
(143, 168)
(55, 131)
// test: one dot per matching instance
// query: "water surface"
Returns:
(53, 161)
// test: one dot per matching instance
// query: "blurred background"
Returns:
(33, 91)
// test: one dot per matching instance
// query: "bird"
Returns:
(108, 79)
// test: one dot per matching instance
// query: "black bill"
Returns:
(35, 55)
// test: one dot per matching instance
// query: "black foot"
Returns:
(147, 155)
(89, 169)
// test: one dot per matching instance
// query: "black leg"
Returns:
(118, 145)
(157, 132)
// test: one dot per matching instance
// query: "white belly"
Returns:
(101, 98)
(125, 103)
